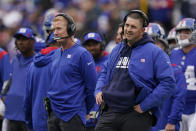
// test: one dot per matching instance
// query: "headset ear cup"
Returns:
(71, 29)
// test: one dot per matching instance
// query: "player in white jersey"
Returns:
(185, 58)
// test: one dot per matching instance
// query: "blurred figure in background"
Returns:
(119, 37)
(157, 32)
(14, 99)
(38, 81)
(94, 43)
(193, 40)
(171, 110)
(184, 57)
(39, 44)
(119, 34)
(172, 39)
(5, 69)
(160, 11)
(47, 23)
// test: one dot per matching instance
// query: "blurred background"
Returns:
(89, 15)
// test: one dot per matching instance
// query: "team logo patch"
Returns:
(143, 60)
(69, 56)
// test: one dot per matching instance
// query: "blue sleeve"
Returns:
(102, 78)
(104, 74)
(89, 75)
(163, 73)
(28, 99)
(178, 98)
(5, 68)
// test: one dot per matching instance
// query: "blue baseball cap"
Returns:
(92, 36)
(26, 32)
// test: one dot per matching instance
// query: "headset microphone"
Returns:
(59, 38)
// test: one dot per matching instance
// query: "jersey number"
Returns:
(190, 78)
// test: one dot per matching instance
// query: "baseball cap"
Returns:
(26, 32)
(92, 36)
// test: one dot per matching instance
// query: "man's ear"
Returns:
(143, 30)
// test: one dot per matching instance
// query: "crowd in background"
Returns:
(103, 18)
(89, 15)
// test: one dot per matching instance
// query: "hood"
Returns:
(145, 39)
(44, 57)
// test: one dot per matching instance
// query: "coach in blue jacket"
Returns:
(14, 104)
(38, 80)
(73, 80)
(138, 77)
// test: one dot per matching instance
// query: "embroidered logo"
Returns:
(69, 56)
(89, 63)
(143, 60)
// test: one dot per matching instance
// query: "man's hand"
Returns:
(138, 108)
(88, 117)
(3, 98)
(170, 127)
(99, 98)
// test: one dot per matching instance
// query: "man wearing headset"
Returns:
(136, 80)
(73, 79)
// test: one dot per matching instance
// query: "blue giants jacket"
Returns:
(14, 101)
(73, 83)
(38, 81)
(149, 68)
(4, 67)
(172, 108)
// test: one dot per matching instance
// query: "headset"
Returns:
(141, 13)
(71, 27)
